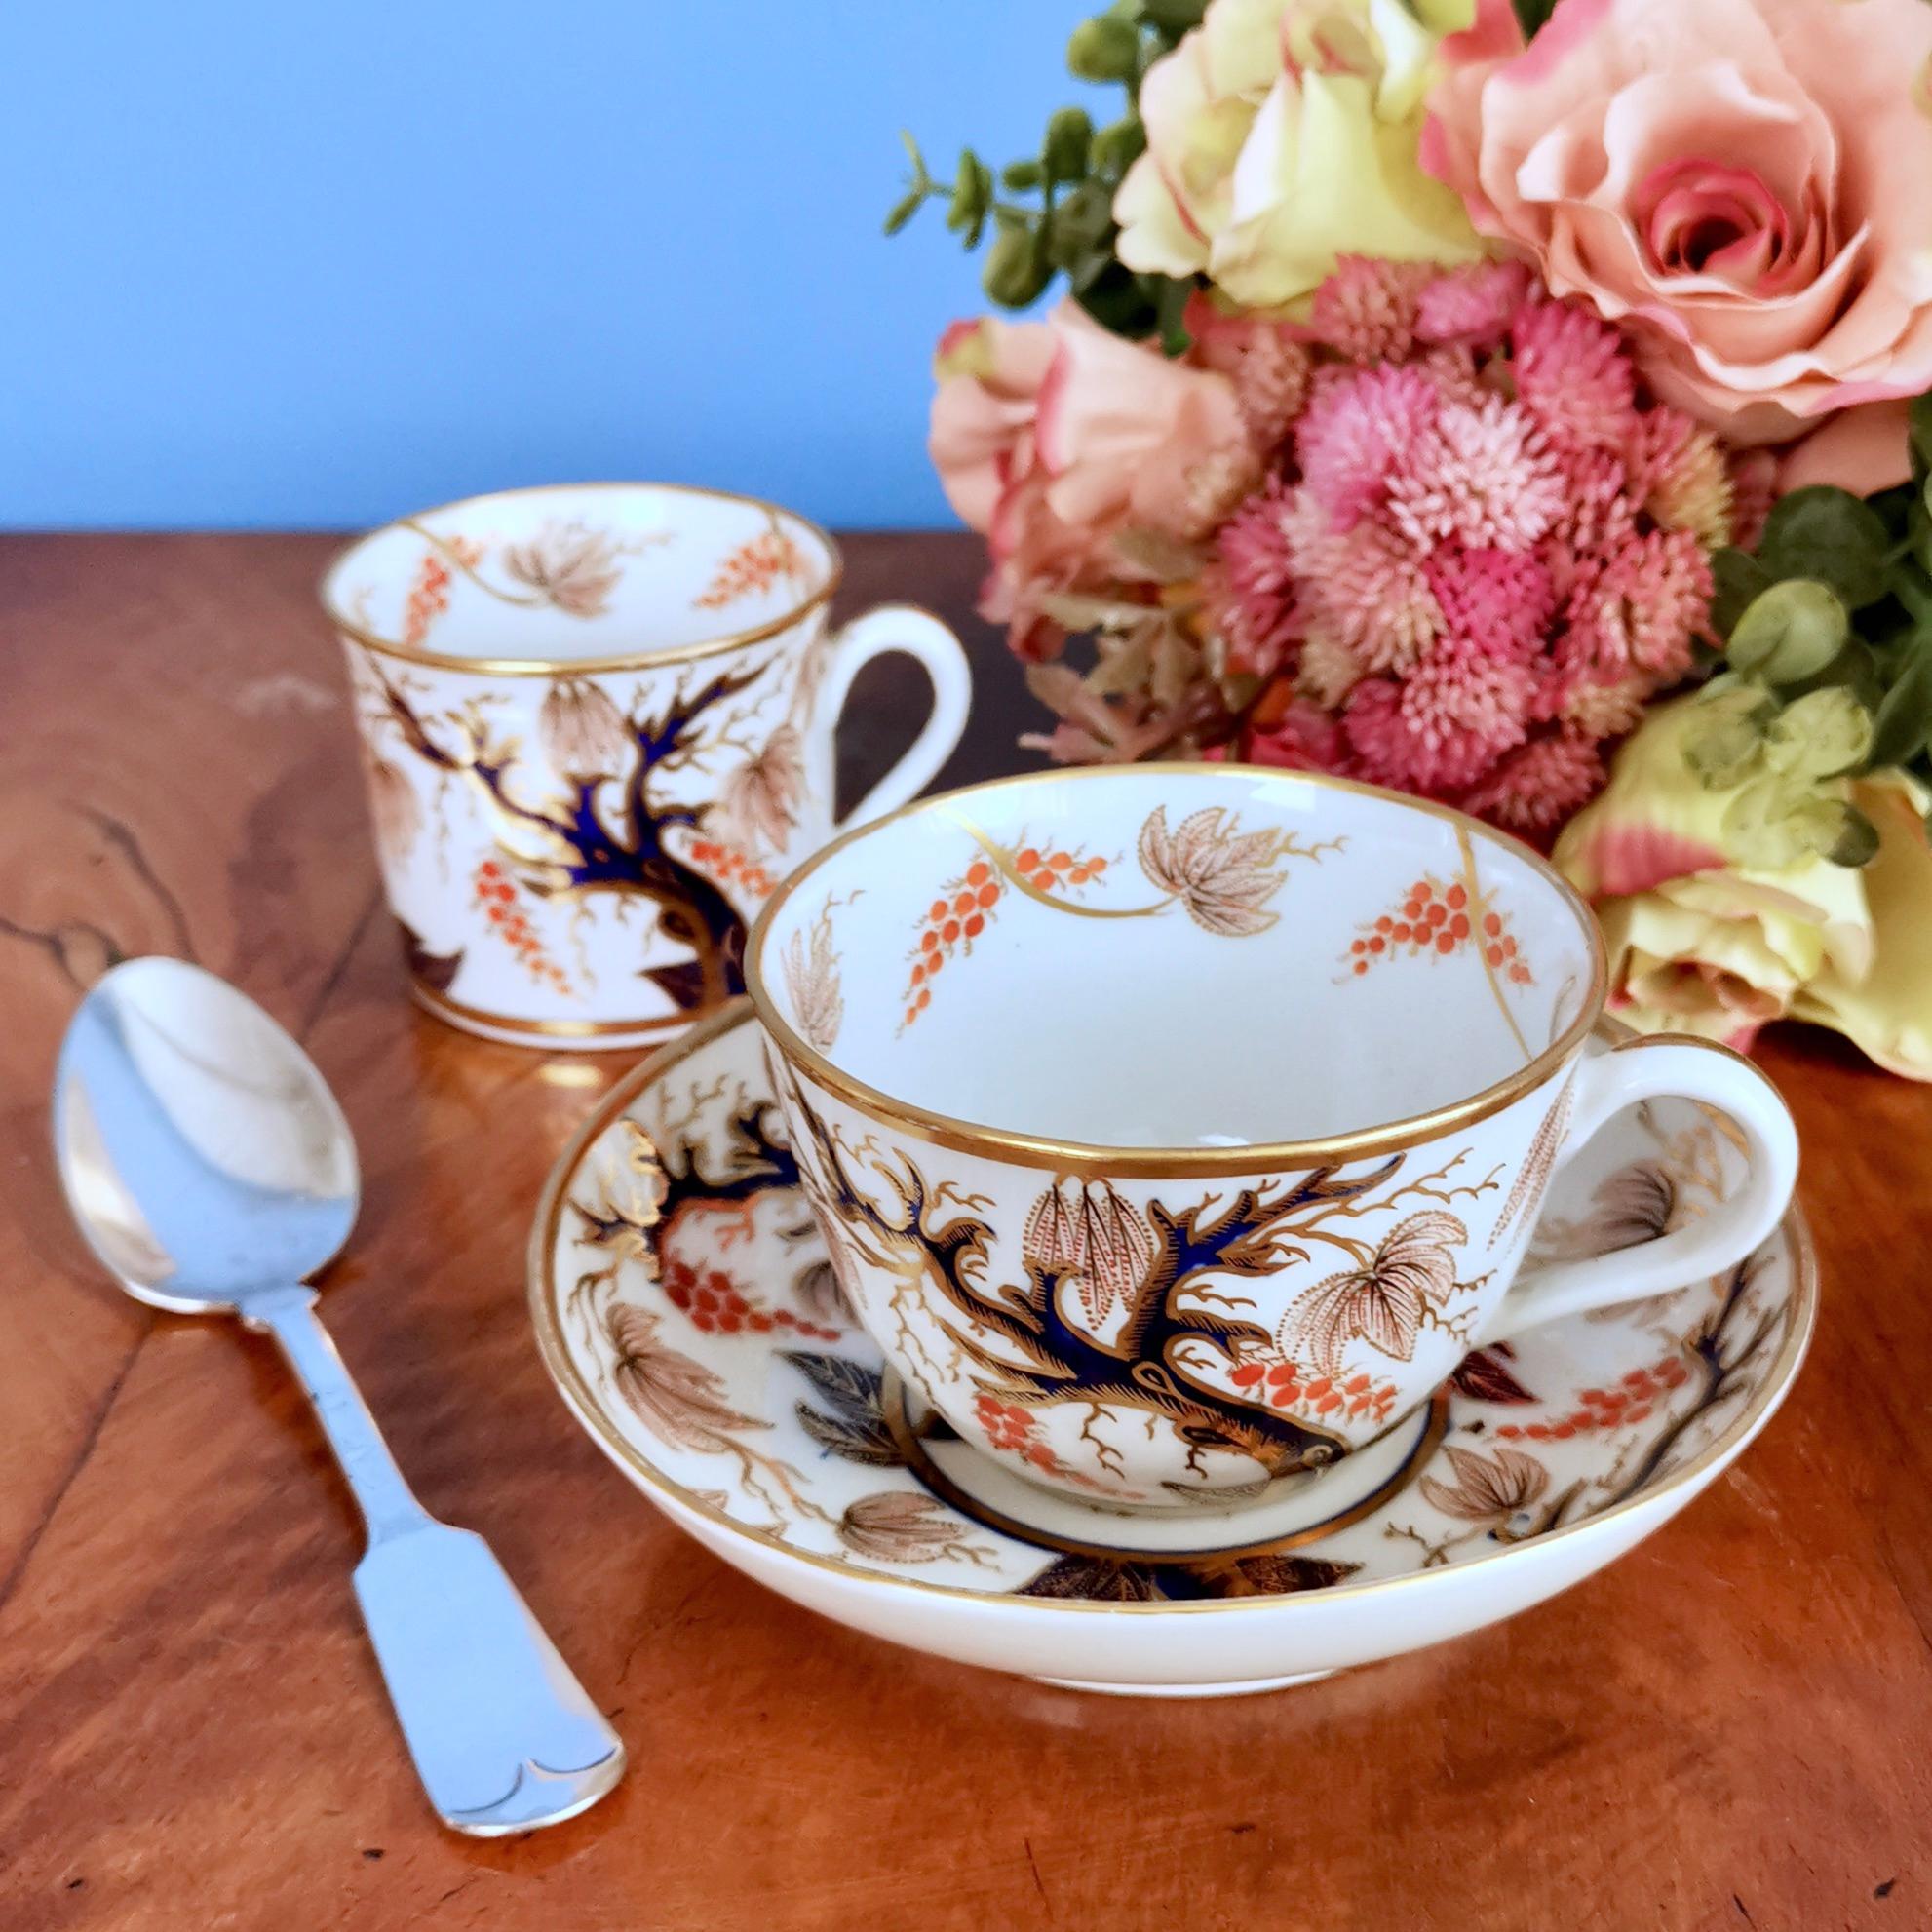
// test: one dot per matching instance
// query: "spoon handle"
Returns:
(388, 1504)
(504, 1737)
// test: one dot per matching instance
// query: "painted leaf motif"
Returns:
(763, 797)
(1273, 1573)
(1487, 1488)
(1093, 1580)
(1221, 876)
(811, 977)
(394, 810)
(571, 569)
(1534, 1173)
(1384, 1304)
(899, 1526)
(1095, 1239)
(870, 1443)
(1636, 1202)
(681, 1398)
(580, 728)
(852, 1388)
(1482, 1377)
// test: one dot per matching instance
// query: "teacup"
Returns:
(1176, 1128)
(598, 728)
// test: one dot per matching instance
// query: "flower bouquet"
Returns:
(1511, 406)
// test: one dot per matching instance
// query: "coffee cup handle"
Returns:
(1651, 1069)
(893, 626)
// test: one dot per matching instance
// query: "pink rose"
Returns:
(1051, 438)
(1740, 185)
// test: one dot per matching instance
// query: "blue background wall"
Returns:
(288, 267)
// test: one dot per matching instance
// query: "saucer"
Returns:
(685, 1307)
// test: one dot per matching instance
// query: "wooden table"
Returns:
(1730, 1729)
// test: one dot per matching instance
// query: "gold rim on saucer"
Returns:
(586, 667)
(1095, 1162)
(589, 1410)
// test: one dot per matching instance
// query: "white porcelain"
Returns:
(685, 1305)
(598, 728)
(1206, 1167)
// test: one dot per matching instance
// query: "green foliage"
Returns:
(1790, 631)
(1826, 669)
(1052, 212)
(1829, 534)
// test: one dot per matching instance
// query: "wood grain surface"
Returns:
(1730, 1729)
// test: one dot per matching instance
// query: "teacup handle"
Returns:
(893, 626)
(1653, 1069)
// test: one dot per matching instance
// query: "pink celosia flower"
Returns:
(1480, 474)
(1373, 597)
(1250, 588)
(1442, 727)
(1539, 784)
(1572, 375)
(1351, 440)
(1366, 309)
(1497, 549)
(1495, 603)
(1472, 306)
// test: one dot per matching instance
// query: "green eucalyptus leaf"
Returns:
(1829, 534)
(1739, 578)
(1903, 723)
(972, 196)
(1017, 268)
(1120, 144)
(1068, 143)
(1791, 630)
(1726, 734)
(904, 209)
(1118, 300)
(1019, 175)
(1106, 48)
(1080, 223)
(921, 179)
(1173, 17)
(1856, 844)
(1819, 734)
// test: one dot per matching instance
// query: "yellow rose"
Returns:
(1281, 134)
(1702, 941)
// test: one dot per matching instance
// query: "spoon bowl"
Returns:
(246, 1165)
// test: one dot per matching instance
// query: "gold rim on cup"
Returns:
(588, 666)
(1093, 1161)
(582, 1401)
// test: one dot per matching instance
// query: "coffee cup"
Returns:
(597, 727)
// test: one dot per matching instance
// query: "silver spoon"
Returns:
(212, 1170)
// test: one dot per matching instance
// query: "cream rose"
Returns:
(1701, 943)
(1283, 134)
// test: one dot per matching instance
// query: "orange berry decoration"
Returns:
(963, 908)
(730, 867)
(1633, 1399)
(1435, 919)
(496, 899)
